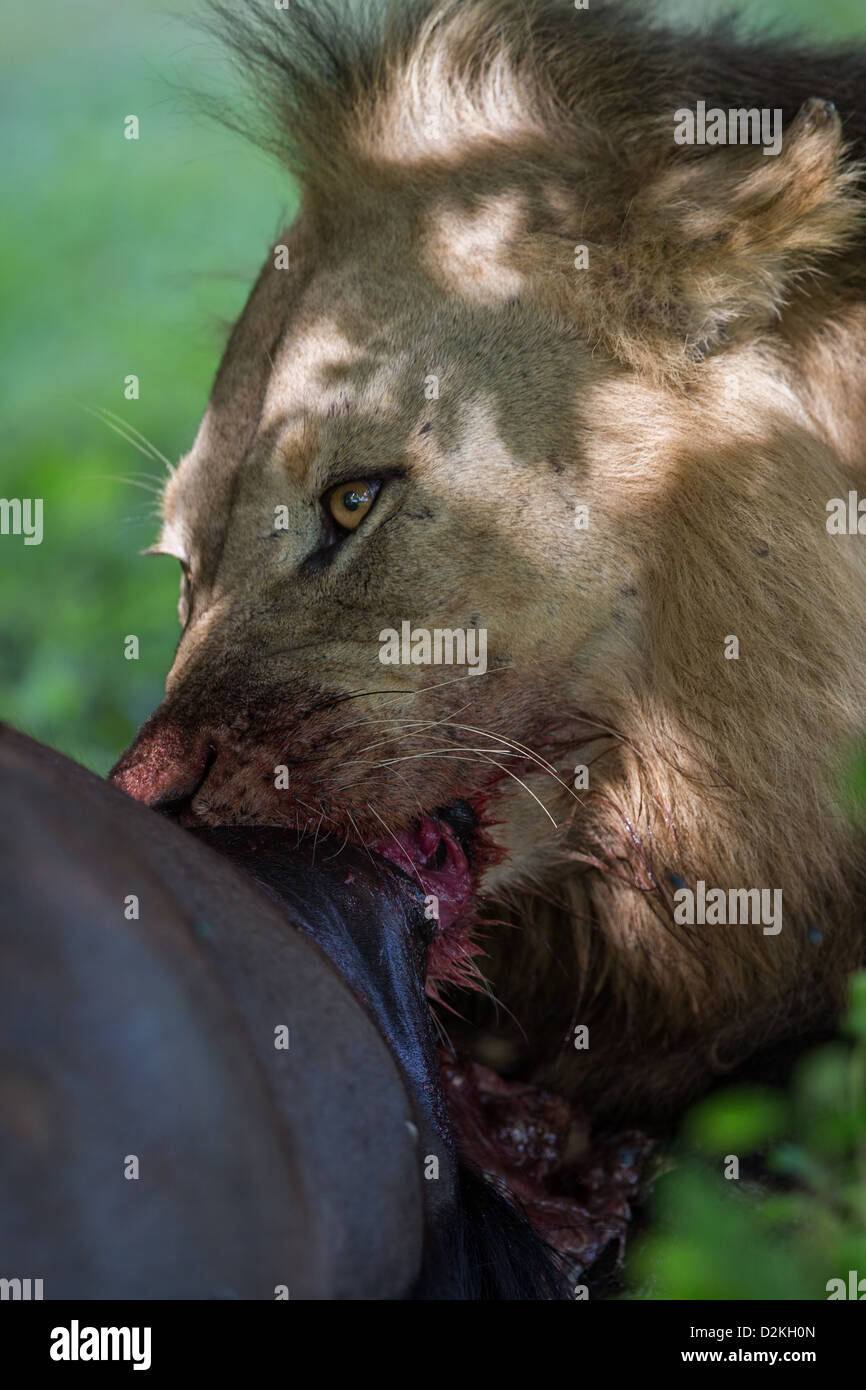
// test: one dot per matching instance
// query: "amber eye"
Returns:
(350, 502)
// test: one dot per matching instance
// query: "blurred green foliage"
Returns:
(125, 257)
(803, 1221)
(119, 257)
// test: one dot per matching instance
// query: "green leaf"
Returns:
(737, 1121)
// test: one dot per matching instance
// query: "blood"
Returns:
(431, 853)
(577, 1191)
(536, 1147)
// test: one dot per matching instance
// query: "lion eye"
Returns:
(350, 502)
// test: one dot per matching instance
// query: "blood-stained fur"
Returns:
(509, 294)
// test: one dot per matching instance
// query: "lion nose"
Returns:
(165, 765)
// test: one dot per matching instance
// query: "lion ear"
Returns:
(735, 228)
(713, 245)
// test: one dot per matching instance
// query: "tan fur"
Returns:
(700, 387)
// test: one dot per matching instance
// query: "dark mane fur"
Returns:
(315, 72)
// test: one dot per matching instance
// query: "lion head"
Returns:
(503, 537)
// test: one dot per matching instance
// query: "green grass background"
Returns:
(123, 257)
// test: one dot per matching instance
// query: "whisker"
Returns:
(390, 719)
(405, 694)
(316, 837)
(152, 488)
(376, 765)
(500, 1005)
(521, 749)
(99, 526)
(514, 743)
(322, 817)
(408, 784)
(337, 852)
(360, 838)
(403, 852)
(383, 762)
(441, 1033)
(441, 752)
(472, 729)
(156, 454)
(123, 435)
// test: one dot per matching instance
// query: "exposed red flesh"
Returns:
(578, 1195)
(418, 851)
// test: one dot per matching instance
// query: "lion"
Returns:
(529, 367)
